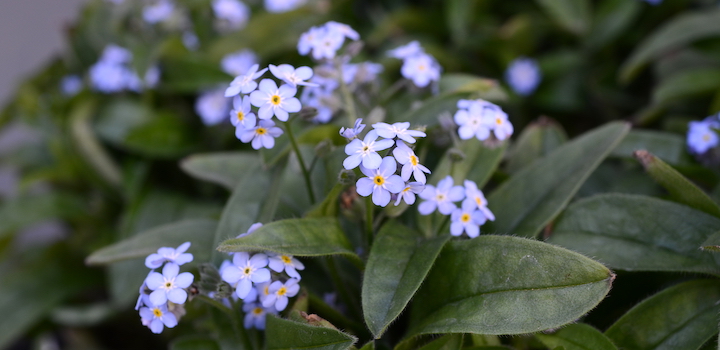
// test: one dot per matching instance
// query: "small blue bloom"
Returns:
(245, 83)
(275, 101)
(351, 133)
(155, 317)
(280, 262)
(212, 107)
(466, 219)
(702, 135)
(169, 286)
(523, 75)
(255, 315)
(278, 6)
(412, 48)
(245, 271)
(234, 12)
(365, 151)
(399, 130)
(261, 136)
(292, 76)
(167, 254)
(422, 69)
(241, 116)
(324, 41)
(411, 163)
(441, 197)
(71, 85)
(380, 182)
(408, 193)
(280, 292)
(158, 12)
(239, 63)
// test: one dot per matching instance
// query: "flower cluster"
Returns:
(523, 75)
(702, 135)
(417, 66)
(162, 295)
(159, 11)
(112, 73)
(468, 218)
(479, 117)
(381, 180)
(264, 281)
(323, 42)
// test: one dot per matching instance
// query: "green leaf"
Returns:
(283, 334)
(712, 243)
(668, 146)
(638, 233)
(18, 213)
(194, 342)
(681, 317)
(536, 140)
(196, 231)
(577, 336)
(89, 146)
(680, 188)
(613, 19)
(184, 73)
(446, 342)
(329, 206)
(674, 34)
(688, 83)
(301, 237)
(399, 260)
(573, 15)
(506, 285)
(535, 195)
(479, 162)
(222, 168)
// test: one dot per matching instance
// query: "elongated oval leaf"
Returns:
(283, 334)
(669, 147)
(687, 83)
(506, 285)
(680, 188)
(197, 231)
(535, 195)
(638, 233)
(681, 317)
(224, 169)
(577, 336)
(301, 237)
(573, 15)
(612, 20)
(398, 262)
(680, 31)
(536, 140)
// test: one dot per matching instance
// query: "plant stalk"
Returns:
(306, 174)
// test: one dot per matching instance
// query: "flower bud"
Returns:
(346, 177)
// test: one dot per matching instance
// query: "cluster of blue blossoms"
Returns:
(418, 66)
(112, 73)
(162, 295)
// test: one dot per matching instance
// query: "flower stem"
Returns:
(347, 96)
(369, 207)
(306, 174)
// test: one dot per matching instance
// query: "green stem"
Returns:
(306, 174)
(392, 90)
(347, 96)
(369, 207)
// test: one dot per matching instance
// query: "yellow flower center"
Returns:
(421, 67)
(379, 180)
(365, 148)
(440, 197)
(261, 131)
(413, 160)
(286, 259)
(247, 270)
(266, 290)
(479, 201)
(275, 99)
(240, 116)
(168, 284)
(465, 217)
(157, 312)
(498, 121)
(282, 291)
(706, 137)
(257, 311)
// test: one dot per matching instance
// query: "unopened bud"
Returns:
(346, 177)
(223, 290)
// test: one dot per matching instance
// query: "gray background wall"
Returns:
(30, 32)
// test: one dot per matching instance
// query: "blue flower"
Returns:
(280, 292)
(360, 73)
(255, 315)
(250, 230)
(324, 41)
(410, 162)
(155, 317)
(702, 135)
(190, 40)
(241, 116)
(422, 69)
(523, 75)
(238, 63)
(245, 271)
(263, 135)
(235, 12)
(441, 197)
(475, 121)
(351, 133)
(277, 6)
(158, 12)
(280, 262)
(109, 77)
(380, 182)
(399, 130)
(365, 151)
(167, 254)
(476, 198)
(275, 101)
(245, 83)
(292, 76)
(169, 286)
(408, 193)
(466, 219)
(71, 85)
(212, 107)
(412, 48)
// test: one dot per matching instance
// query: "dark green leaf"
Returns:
(329, 206)
(536, 141)
(224, 169)
(573, 15)
(688, 83)
(680, 188)
(89, 146)
(577, 336)
(681, 317)
(283, 334)
(712, 243)
(479, 163)
(506, 285)
(197, 231)
(193, 342)
(535, 195)
(399, 260)
(669, 147)
(301, 237)
(614, 18)
(674, 34)
(638, 233)
(183, 73)
(446, 342)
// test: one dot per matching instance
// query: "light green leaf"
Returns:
(680, 31)
(668, 146)
(196, 231)
(688, 83)
(573, 15)
(506, 285)
(224, 169)
(638, 233)
(535, 195)
(446, 342)
(681, 317)
(283, 334)
(577, 336)
(680, 188)
(301, 237)
(536, 140)
(398, 262)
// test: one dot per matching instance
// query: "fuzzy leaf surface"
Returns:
(224, 169)
(577, 336)
(283, 334)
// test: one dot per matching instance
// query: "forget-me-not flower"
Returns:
(158, 12)
(408, 193)
(441, 197)
(241, 116)
(280, 292)
(235, 12)
(239, 63)
(502, 128)
(255, 315)
(167, 254)
(245, 83)
(702, 135)
(275, 101)
(245, 271)
(422, 69)
(523, 75)
(365, 151)
(277, 6)
(169, 285)
(212, 107)
(410, 162)
(380, 182)
(352, 133)
(474, 195)
(71, 85)
(410, 49)
(262, 135)
(399, 130)
(475, 121)
(280, 262)
(155, 317)
(466, 219)
(292, 76)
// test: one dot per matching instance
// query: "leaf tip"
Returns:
(644, 157)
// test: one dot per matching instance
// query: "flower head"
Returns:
(262, 135)
(702, 135)
(476, 120)
(155, 317)
(422, 69)
(351, 133)
(411, 163)
(167, 254)
(399, 130)
(502, 128)
(235, 12)
(245, 271)
(239, 63)
(278, 6)
(441, 197)
(288, 263)
(212, 107)
(280, 292)
(476, 197)
(365, 151)
(245, 83)
(158, 12)
(255, 315)
(169, 286)
(324, 41)
(71, 85)
(380, 182)
(408, 193)
(275, 101)
(410, 49)
(292, 76)
(523, 75)
(466, 219)
(250, 230)
(241, 116)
